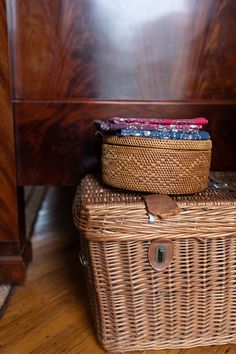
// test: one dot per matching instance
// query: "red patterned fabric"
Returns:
(113, 127)
(195, 121)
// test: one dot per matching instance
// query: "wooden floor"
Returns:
(50, 313)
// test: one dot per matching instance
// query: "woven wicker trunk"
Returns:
(192, 302)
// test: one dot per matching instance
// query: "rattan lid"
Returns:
(102, 213)
(158, 143)
(92, 192)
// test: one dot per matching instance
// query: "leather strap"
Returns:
(160, 205)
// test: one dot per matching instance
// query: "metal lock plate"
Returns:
(160, 254)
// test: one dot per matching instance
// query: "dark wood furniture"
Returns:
(15, 250)
(76, 60)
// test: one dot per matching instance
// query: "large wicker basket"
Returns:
(192, 302)
(156, 165)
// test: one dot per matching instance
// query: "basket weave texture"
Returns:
(190, 303)
(156, 165)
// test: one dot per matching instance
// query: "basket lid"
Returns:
(102, 213)
(221, 191)
(158, 143)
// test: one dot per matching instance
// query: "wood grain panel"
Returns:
(136, 49)
(12, 247)
(8, 197)
(56, 142)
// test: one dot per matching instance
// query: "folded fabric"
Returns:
(197, 121)
(199, 135)
(107, 126)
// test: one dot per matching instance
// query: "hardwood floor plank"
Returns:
(68, 340)
(48, 327)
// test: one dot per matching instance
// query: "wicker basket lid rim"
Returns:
(92, 192)
(158, 143)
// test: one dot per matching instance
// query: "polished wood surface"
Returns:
(8, 199)
(51, 313)
(56, 142)
(77, 60)
(14, 250)
(135, 50)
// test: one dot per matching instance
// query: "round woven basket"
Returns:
(156, 165)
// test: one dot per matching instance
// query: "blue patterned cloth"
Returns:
(198, 135)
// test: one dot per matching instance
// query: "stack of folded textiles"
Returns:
(181, 129)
